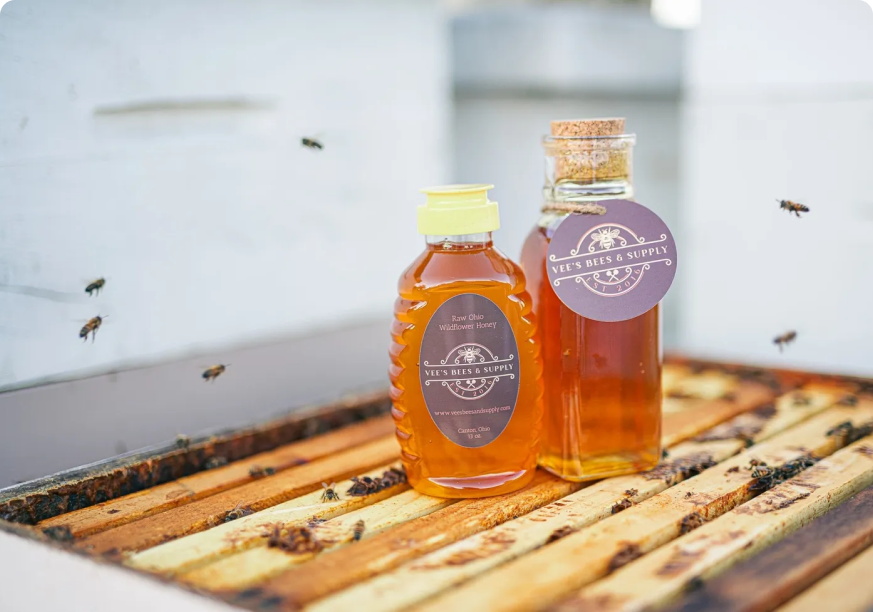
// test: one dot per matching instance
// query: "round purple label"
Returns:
(615, 266)
(469, 370)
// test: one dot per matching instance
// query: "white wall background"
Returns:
(779, 105)
(157, 144)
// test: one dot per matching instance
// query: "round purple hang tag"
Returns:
(614, 266)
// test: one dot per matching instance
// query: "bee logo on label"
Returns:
(614, 266)
(472, 373)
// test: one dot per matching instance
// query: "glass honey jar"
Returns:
(602, 372)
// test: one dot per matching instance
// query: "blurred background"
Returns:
(158, 145)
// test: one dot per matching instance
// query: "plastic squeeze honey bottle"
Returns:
(465, 362)
(597, 265)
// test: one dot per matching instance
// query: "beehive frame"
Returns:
(259, 534)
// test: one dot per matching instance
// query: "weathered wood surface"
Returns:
(258, 564)
(553, 544)
(258, 495)
(545, 576)
(848, 589)
(197, 549)
(440, 570)
(215, 543)
(709, 384)
(746, 397)
(191, 488)
(329, 573)
(78, 488)
(685, 418)
(666, 573)
(782, 571)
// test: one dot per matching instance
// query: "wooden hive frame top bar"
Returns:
(258, 533)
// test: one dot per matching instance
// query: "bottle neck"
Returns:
(462, 242)
(585, 170)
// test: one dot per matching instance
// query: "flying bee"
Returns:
(358, 531)
(91, 327)
(213, 372)
(95, 287)
(311, 143)
(786, 338)
(792, 207)
(329, 494)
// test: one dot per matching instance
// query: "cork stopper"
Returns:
(601, 153)
(613, 126)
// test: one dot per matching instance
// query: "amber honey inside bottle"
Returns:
(465, 365)
(602, 379)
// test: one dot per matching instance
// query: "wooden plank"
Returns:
(700, 414)
(456, 563)
(80, 487)
(774, 576)
(847, 589)
(191, 488)
(198, 549)
(257, 495)
(211, 546)
(671, 375)
(329, 573)
(321, 578)
(545, 576)
(787, 568)
(711, 384)
(258, 564)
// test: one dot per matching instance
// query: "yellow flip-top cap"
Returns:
(453, 210)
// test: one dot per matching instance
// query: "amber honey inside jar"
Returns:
(602, 379)
(465, 367)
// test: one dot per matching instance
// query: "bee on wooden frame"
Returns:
(785, 339)
(91, 327)
(257, 471)
(213, 372)
(358, 531)
(329, 494)
(239, 511)
(311, 143)
(215, 462)
(792, 207)
(95, 286)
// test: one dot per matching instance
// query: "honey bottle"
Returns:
(465, 360)
(597, 265)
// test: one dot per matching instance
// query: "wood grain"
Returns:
(702, 414)
(769, 579)
(545, 576)
(191, 488)
(456, 563)
(211, 546)
(775, 575)
(847, 588)
(710, 384)
(257, 495)
(197, 549)
(258, 564)
(329, 573)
